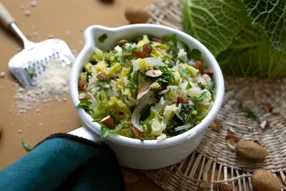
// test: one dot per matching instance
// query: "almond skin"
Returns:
(251, 150)
(108, 122)
(264, 180)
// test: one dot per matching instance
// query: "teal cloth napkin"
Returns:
(64, 162)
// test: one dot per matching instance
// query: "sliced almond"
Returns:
(157, 40)
(208, 71)
(147, 48)
(199, 65)
(224, 187)
(231, 144)
(154, 73)
(181, 100)
(84, 96)
(137, 133)
(268, 107)
(127, 54)
(265, 180)
(122, 42)
(155, 86)
(101, 76)
(140, 54)
(265, 124)
(108, 122)
(143, 90)
(231, 135)
(216, 125)
(251, 150)
(81, 84)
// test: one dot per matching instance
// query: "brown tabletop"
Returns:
(57, 18)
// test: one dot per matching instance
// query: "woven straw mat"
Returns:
(214, 160)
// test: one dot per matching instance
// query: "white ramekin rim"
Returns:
(90, 42)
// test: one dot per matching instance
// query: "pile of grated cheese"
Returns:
(47, 87)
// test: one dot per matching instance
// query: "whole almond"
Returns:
(251, 150)
(264, 180)
(136, 15)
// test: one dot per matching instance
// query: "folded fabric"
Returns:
(64, 162)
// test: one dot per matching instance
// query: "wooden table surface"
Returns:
(57, 18)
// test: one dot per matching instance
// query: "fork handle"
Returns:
(5, 17)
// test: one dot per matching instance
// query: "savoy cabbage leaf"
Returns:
(271, 16)
(246, 36)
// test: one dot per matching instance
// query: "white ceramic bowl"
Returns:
(148, 154)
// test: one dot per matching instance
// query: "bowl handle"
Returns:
(86, 133)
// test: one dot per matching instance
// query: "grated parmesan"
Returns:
(48, 86)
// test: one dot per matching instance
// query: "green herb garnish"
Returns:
(185, 73)
(195, 54)
(148, 125)
(105, 131)
(102, 38)
(250, 113)
(201, 96)
(27, 147)
(167, 76)
(85, 104)
(31, 71)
